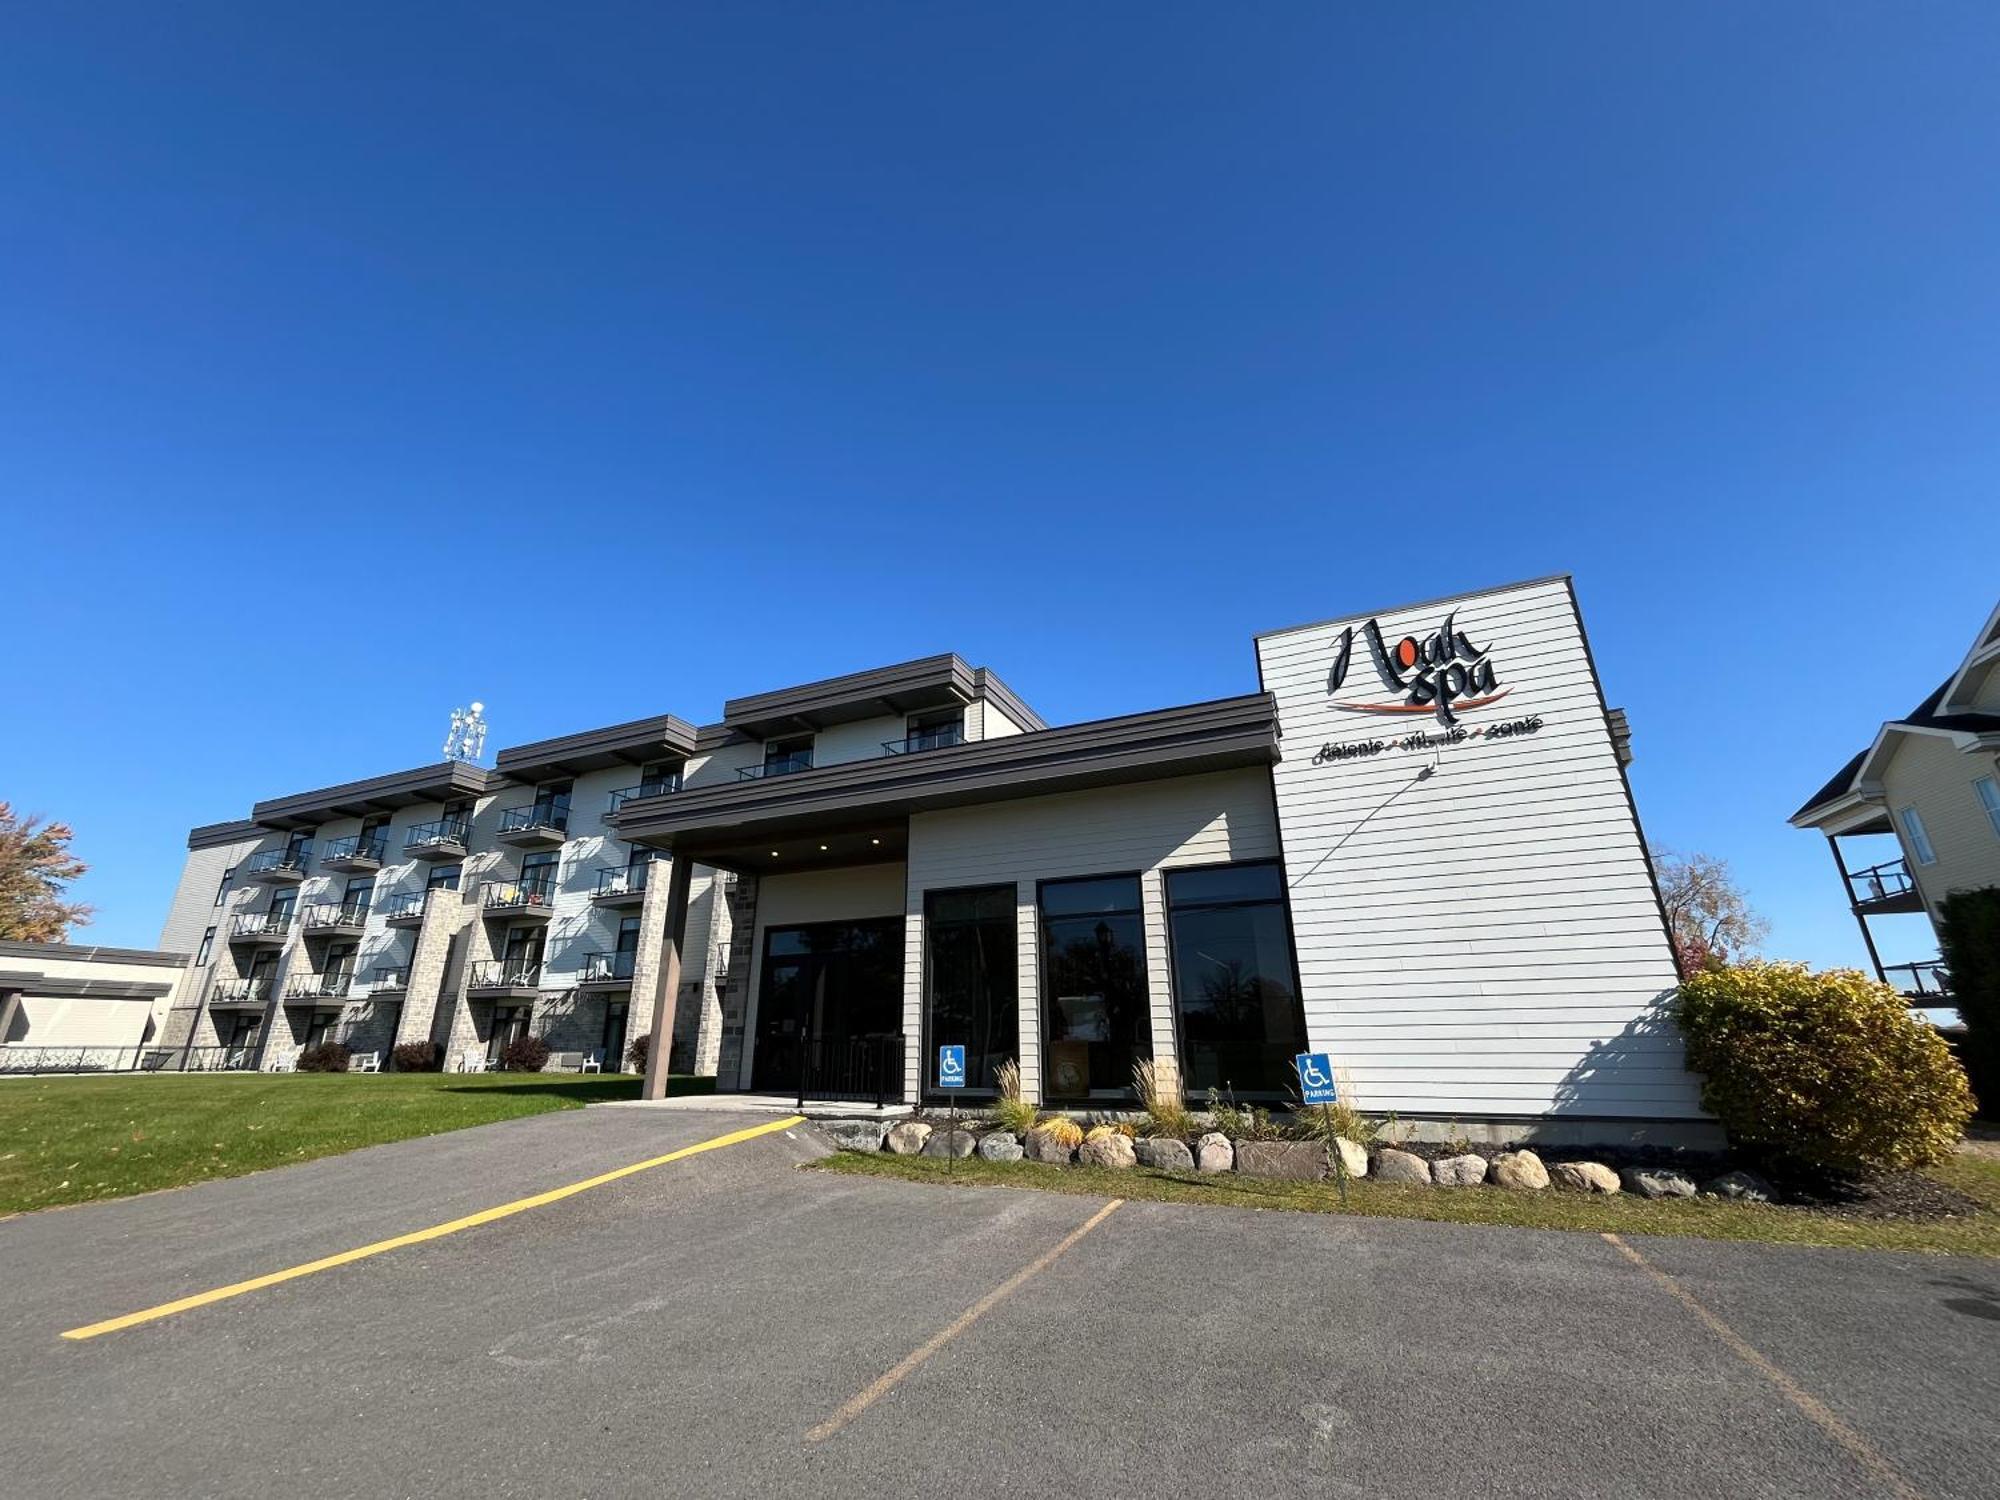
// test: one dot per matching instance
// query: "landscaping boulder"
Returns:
(1290, 1161)
(1656, 1182)
(1744, 1187)
(1000, 1146)
(1468, 1170)
(1048, 1147)
(855, 1135)
(1164, 1154)
(1353, 1156)
(1213, 1153)
(907, 1138)
(960, 1143)
(1110, 1148)
(1583, 1177)
(1405, 1167)
(1520, 1170)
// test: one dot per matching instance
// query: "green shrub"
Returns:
(1827, 1070)
(1242, 1122)
(1010, 1111)
(1969, 943)
(327, 1057)
(525, 1054)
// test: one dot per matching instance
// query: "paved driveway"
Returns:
(685, 1331)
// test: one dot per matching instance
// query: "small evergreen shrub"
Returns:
(327, 1057)
(525, 1054)
(417, 1057)
(1969, 944)
(1825, 1070)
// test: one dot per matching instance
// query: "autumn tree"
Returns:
(1707, 912)
(35, 867)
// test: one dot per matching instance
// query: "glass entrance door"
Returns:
(830, 1005)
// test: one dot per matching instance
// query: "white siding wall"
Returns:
(1188, 820)
(1928, 772)
(1484, 941)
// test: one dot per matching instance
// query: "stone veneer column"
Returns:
(735, 997)
(645, 995)
(432, 972)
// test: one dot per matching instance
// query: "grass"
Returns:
(74, 1140)
(1977, 1234)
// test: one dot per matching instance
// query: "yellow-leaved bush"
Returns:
(1824, 1069)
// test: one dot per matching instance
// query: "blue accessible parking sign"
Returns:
(1315, 1078)
(951, 1067)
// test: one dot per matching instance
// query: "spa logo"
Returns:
(1443, 674)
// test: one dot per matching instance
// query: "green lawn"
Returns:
(71, 1140)
(1977, 1234)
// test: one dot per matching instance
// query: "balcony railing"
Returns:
(344, 914)
(1886, 884)
(355, 850)
(1924, 981)
(403, 907)
(505, 974)
(389, 979)
(279, 861)
(783, 765)
(242, 992)
(925, 739)
(550, 814)
(507, 895)
(261, 924)
(332, 985)
(445, 833)
(621, 880)
(607, 968)
(656, 788)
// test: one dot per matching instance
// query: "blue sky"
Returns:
(358, 362)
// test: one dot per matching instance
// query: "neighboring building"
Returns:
(1930, 779)
(1448, 889)
(74, 995)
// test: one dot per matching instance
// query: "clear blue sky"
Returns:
(599, 362)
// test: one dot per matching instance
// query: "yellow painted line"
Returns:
(903, 1368)
(1808, 1405)
(418, 1237)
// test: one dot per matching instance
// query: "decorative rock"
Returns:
(855, 1135)
(1396, 1166)
(1583, 1177)
(1656, 1182)
(1042, 1146)
(1744, 1187)
(1111, 1148)
(1000, 1146)
(1520, 1170)
(1458, 1171)
(1353, 1156)
(960, 1143)
(1164, 1154)
(1213, 1153)
(1291, 1161)
(908, 1138)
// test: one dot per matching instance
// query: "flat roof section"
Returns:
(908, 687)
(447, 781)
(663, 737)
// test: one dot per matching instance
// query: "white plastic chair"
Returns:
(594, 1063)
(365, 1062)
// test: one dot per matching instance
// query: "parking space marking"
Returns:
(417, 1237)
(1808, 1405)
(895, 1376)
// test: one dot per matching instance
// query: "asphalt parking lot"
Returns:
(724, 1325)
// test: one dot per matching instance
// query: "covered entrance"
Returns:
(830, 1010)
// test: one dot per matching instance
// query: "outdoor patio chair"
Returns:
(593, 1063)
(365, 1062)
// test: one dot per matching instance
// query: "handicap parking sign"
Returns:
(951, 1067)
(1315, 1078)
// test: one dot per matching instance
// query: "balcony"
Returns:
(604, 971)
(336, 919)
(261, 929)
(404, 910)
(1922, 984)
(355, 856)
(519, 900)
(782, 765)
(504, 979)
(447, 838)
(918, 740)
(1883, 888)
(335, 984)
(388, 981)
(542, 824)
(244, 994)
(626, 794)
(279, 866)
(621, 885)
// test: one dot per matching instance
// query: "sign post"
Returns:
(1316, 1086)
(951, 1075)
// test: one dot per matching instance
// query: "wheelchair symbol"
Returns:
(1310, 1073)
(951, 1067)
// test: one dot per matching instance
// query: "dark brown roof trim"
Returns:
(930, 682)
(444, 782)
(92, 954)
(661, 738)
(988, 686)
(80, 989)
(212, 835)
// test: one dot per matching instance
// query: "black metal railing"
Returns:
(26, 1058)
(388, 979)
(550, 813)
(858, 1069)
(1888, 881)
(622, 880)
(655, 788)
(444, 833)
(336, 914)
(332, 985)
(355, 847)
(606, 968)
(1924, 981)
(782, 765)
(261, 924)
(926, 739)
(241, 992)
(291, 861)
(505, 973)
(401, 906)
(507, 895)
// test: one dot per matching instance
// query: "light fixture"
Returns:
(774, 854)
(874, 841)
(822, 848)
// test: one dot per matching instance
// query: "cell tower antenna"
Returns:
(467, 738)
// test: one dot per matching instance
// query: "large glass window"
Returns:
(1094, 1008)
(970, 964)
(1917, 836)
(1236, 1003)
